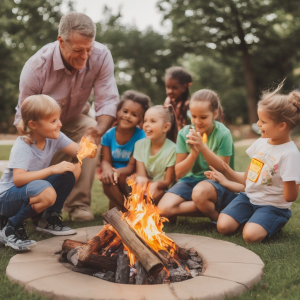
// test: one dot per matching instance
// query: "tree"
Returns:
(243, 29)
(140, 57)
(25, 26)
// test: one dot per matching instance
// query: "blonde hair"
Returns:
(211, 97)
(282, 108)
(35, 108)
(168, 115)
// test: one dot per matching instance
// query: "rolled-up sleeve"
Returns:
(105, 89)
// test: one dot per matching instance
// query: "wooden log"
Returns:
(123, 269)
(150, 261)
(94, 261)
(141, 274)
(69, 245)
(160, 278)
(104, 237)
(112, 247)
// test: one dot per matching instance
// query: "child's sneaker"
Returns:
(52, 223)
(22, 234)
(9, 237)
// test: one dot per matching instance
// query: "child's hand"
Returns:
(107, 176)
(141, 180)
(153, 188)
(62, 167)
(195, 141)
(215, 175)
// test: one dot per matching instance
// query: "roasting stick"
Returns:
(115, 176)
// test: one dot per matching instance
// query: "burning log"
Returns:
(149, 261)
(123, 269)
(112, 247)
(100, 240)
(141, 274)
(69, 245)
(160, 278)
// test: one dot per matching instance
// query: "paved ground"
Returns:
(229, 270)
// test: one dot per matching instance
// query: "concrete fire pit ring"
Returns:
(229, 270)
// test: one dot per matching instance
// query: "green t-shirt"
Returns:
(219, 141)
(157, 164)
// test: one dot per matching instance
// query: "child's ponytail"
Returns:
(282, 108)
(24, 132)
(173, 131)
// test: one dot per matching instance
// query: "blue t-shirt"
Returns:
(30, 158)
(120, 154)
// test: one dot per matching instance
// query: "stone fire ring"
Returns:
(229, 270)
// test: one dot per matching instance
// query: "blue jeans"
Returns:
(14, 204)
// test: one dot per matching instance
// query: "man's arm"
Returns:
(106, 96)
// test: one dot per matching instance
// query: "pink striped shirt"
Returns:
(45, 73)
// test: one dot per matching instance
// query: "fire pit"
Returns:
(133, 248)
(228, 270)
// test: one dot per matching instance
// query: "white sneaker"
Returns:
(52, 223)
(9, 238)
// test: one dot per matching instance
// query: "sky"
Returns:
(142, 13)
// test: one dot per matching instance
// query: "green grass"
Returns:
(5, 151)
(280, 254)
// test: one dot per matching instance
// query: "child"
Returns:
(29, 186)
(155, 155)
(178, 82)
(272, 178)
(194, 158)
(118, 144)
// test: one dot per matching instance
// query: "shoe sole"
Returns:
(70, 232)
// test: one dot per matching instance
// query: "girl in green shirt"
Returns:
(156, 154)
(194, 158)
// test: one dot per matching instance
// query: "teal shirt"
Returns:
(219, 141)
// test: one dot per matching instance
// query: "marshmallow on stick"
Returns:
(204, 137)
(88, 149)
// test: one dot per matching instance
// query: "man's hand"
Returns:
(93, 135)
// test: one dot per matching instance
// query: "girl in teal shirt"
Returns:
(194, 157)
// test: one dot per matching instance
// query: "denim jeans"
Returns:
(14, 204)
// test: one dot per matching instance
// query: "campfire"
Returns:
(132, 247)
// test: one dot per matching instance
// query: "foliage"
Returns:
(254, 37)
(140, 57)
(25, 27)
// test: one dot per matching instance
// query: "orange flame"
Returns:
(88, 149)
(143, 216)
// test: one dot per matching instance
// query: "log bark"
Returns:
(112, 247)
(123, 269)
(150, 261)
(69, 245)
(100, 240)
(141, 274)
(160, 278)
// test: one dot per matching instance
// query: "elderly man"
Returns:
(68, 70)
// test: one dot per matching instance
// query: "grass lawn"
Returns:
(5, 151)
(281, 254)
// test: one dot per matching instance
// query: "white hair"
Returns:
(78, 22)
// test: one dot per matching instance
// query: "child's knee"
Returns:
(164, 210)
(48, 196)
(223, 228)
(254, 233)
(202, 193)
(224, 225)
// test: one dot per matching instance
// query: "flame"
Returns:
(88, 149)
(144, 218)
(204, 137)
